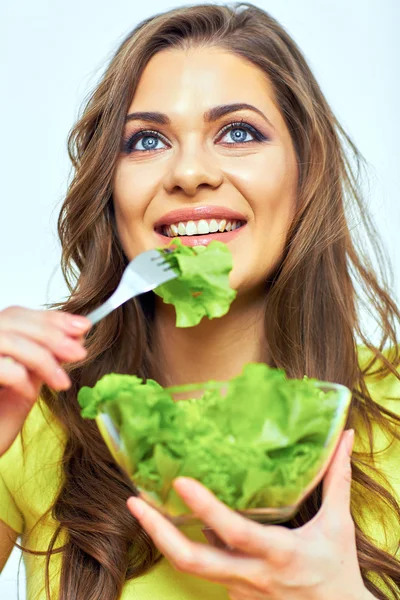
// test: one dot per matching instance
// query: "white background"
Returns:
(52, 54)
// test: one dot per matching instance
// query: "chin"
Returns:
(246, 282)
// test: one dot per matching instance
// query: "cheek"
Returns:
(270, 190)
(274, 209)
(132, 195)
(269, 186)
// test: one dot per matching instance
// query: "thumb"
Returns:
(336, 488)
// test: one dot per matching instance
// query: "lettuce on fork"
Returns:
(202, 288)
(253, 446)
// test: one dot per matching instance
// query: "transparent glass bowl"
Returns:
(179, 513)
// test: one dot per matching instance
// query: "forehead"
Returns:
(178, 81)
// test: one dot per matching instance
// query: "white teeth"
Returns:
(191, 228)
(221, 226)
(181, 229)
(213, 226)
(202, 227)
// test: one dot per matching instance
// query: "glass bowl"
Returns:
(173, 507)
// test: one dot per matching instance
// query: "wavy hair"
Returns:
(312, 320)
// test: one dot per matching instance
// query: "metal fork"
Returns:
(145, 272)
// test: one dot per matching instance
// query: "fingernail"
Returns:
(137, 506)
(349, 441)
(185, 486)
(79, 324)
(62, 378)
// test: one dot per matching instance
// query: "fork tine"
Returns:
(143, 273)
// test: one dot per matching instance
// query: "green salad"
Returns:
(255, 446)
(255, 441)
(202, 288)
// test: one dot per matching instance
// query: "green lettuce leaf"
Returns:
(202, 288)
(256, 445)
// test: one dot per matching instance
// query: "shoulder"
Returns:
(41, 430)
(385, 392)
(31, 464)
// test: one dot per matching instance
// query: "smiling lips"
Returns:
(199, 221)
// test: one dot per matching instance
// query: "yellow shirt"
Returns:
(29, 485)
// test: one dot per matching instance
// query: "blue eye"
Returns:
(150, 140)
(238, 133)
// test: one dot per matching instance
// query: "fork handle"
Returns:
(121, 295)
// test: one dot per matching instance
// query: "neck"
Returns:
(214, 349)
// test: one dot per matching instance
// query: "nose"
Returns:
(192, 169)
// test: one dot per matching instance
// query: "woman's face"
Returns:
(188, 159)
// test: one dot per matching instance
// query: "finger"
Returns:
(232, 528)
(15, 376)
(336, 489)
(57, 331)
(72, 324)
(34, 357)
(191, 557)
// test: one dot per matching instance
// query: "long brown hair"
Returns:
(311, 319)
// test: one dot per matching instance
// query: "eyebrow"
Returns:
(213, 114)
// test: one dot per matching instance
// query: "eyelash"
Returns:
(129, 142)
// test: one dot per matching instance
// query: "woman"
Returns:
(204, 106)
